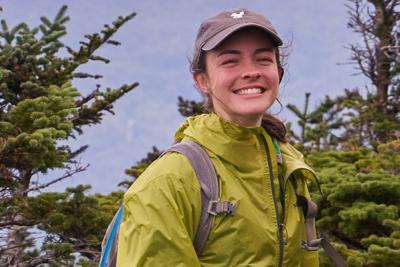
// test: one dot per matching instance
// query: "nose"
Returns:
(250, 71)
(251, 75)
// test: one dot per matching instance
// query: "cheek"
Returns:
(274, 73)
(215, 81)
(223, 80)
(273, 81)
(274, 78)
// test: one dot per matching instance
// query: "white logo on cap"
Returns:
(237, 15)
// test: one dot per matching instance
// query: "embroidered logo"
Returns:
(237, 15)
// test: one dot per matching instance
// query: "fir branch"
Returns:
(95, 40)
(67, 174)
(77, 152)
(91, 114)
(82, 75)
(99, 58)
(113, 42)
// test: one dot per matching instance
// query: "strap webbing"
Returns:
(312, 243)
(333, 254)
(110, 242)
(205, 172)
(210, 206)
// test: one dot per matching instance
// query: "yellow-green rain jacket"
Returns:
(163, 207)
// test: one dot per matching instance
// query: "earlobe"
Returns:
(201, 82)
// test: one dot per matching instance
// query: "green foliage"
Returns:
(33, 127)
(361, 208)
(316, 126)
(355, 119)
(39, 111)
(71, 222)
(189, 107)
(72, 219)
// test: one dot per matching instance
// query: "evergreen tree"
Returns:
(189, 107)
(72, 222)
(316, 126)
(39, 109)
(376, 57)
(354, 119)
(359, 174)
(361, 204)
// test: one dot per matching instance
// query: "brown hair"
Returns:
(272, 125)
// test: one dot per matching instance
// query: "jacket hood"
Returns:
(222, 137)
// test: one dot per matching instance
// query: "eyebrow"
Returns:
(237, 52)
(264, 49)
(228, 51)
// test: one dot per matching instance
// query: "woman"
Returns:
(236, 65)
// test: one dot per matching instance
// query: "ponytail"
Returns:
(274, 127)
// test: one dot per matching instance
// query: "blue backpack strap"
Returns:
(110, 241)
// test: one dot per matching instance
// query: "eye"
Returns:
(265, 59)
(229, 61)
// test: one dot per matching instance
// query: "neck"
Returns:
(248, 121)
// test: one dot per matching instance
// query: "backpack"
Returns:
(211, 206)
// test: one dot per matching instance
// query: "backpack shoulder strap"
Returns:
(310, 211)
(210, 204)
(109, 245)
(314, 243)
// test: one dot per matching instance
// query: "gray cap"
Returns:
(216, 29)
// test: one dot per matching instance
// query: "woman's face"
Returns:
(241, 77)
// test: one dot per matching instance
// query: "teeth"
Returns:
(249, 91)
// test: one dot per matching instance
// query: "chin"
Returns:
(253, 112)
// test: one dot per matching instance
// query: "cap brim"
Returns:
(222, 35)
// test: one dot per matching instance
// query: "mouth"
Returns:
(249, 91)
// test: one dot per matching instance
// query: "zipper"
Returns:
(278, 218)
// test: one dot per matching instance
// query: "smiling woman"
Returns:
(241, 76)
(236, 66)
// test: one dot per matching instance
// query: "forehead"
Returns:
(248, 36)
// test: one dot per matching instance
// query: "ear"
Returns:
(201, 80)
(281, 71)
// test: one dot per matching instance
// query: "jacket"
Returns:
(162, 208)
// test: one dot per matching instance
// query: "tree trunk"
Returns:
(383, 25)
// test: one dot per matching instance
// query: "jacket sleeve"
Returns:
(161, 213)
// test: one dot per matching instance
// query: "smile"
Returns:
(249, 91)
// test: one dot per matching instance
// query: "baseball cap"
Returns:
(216, 29)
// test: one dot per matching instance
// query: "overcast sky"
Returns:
(155, 49)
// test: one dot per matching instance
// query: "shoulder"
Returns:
(289, 150)
(295, 165)
(171, 172)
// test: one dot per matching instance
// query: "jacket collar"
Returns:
(238, 145)
(233, 143)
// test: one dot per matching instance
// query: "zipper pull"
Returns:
(282, 228)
